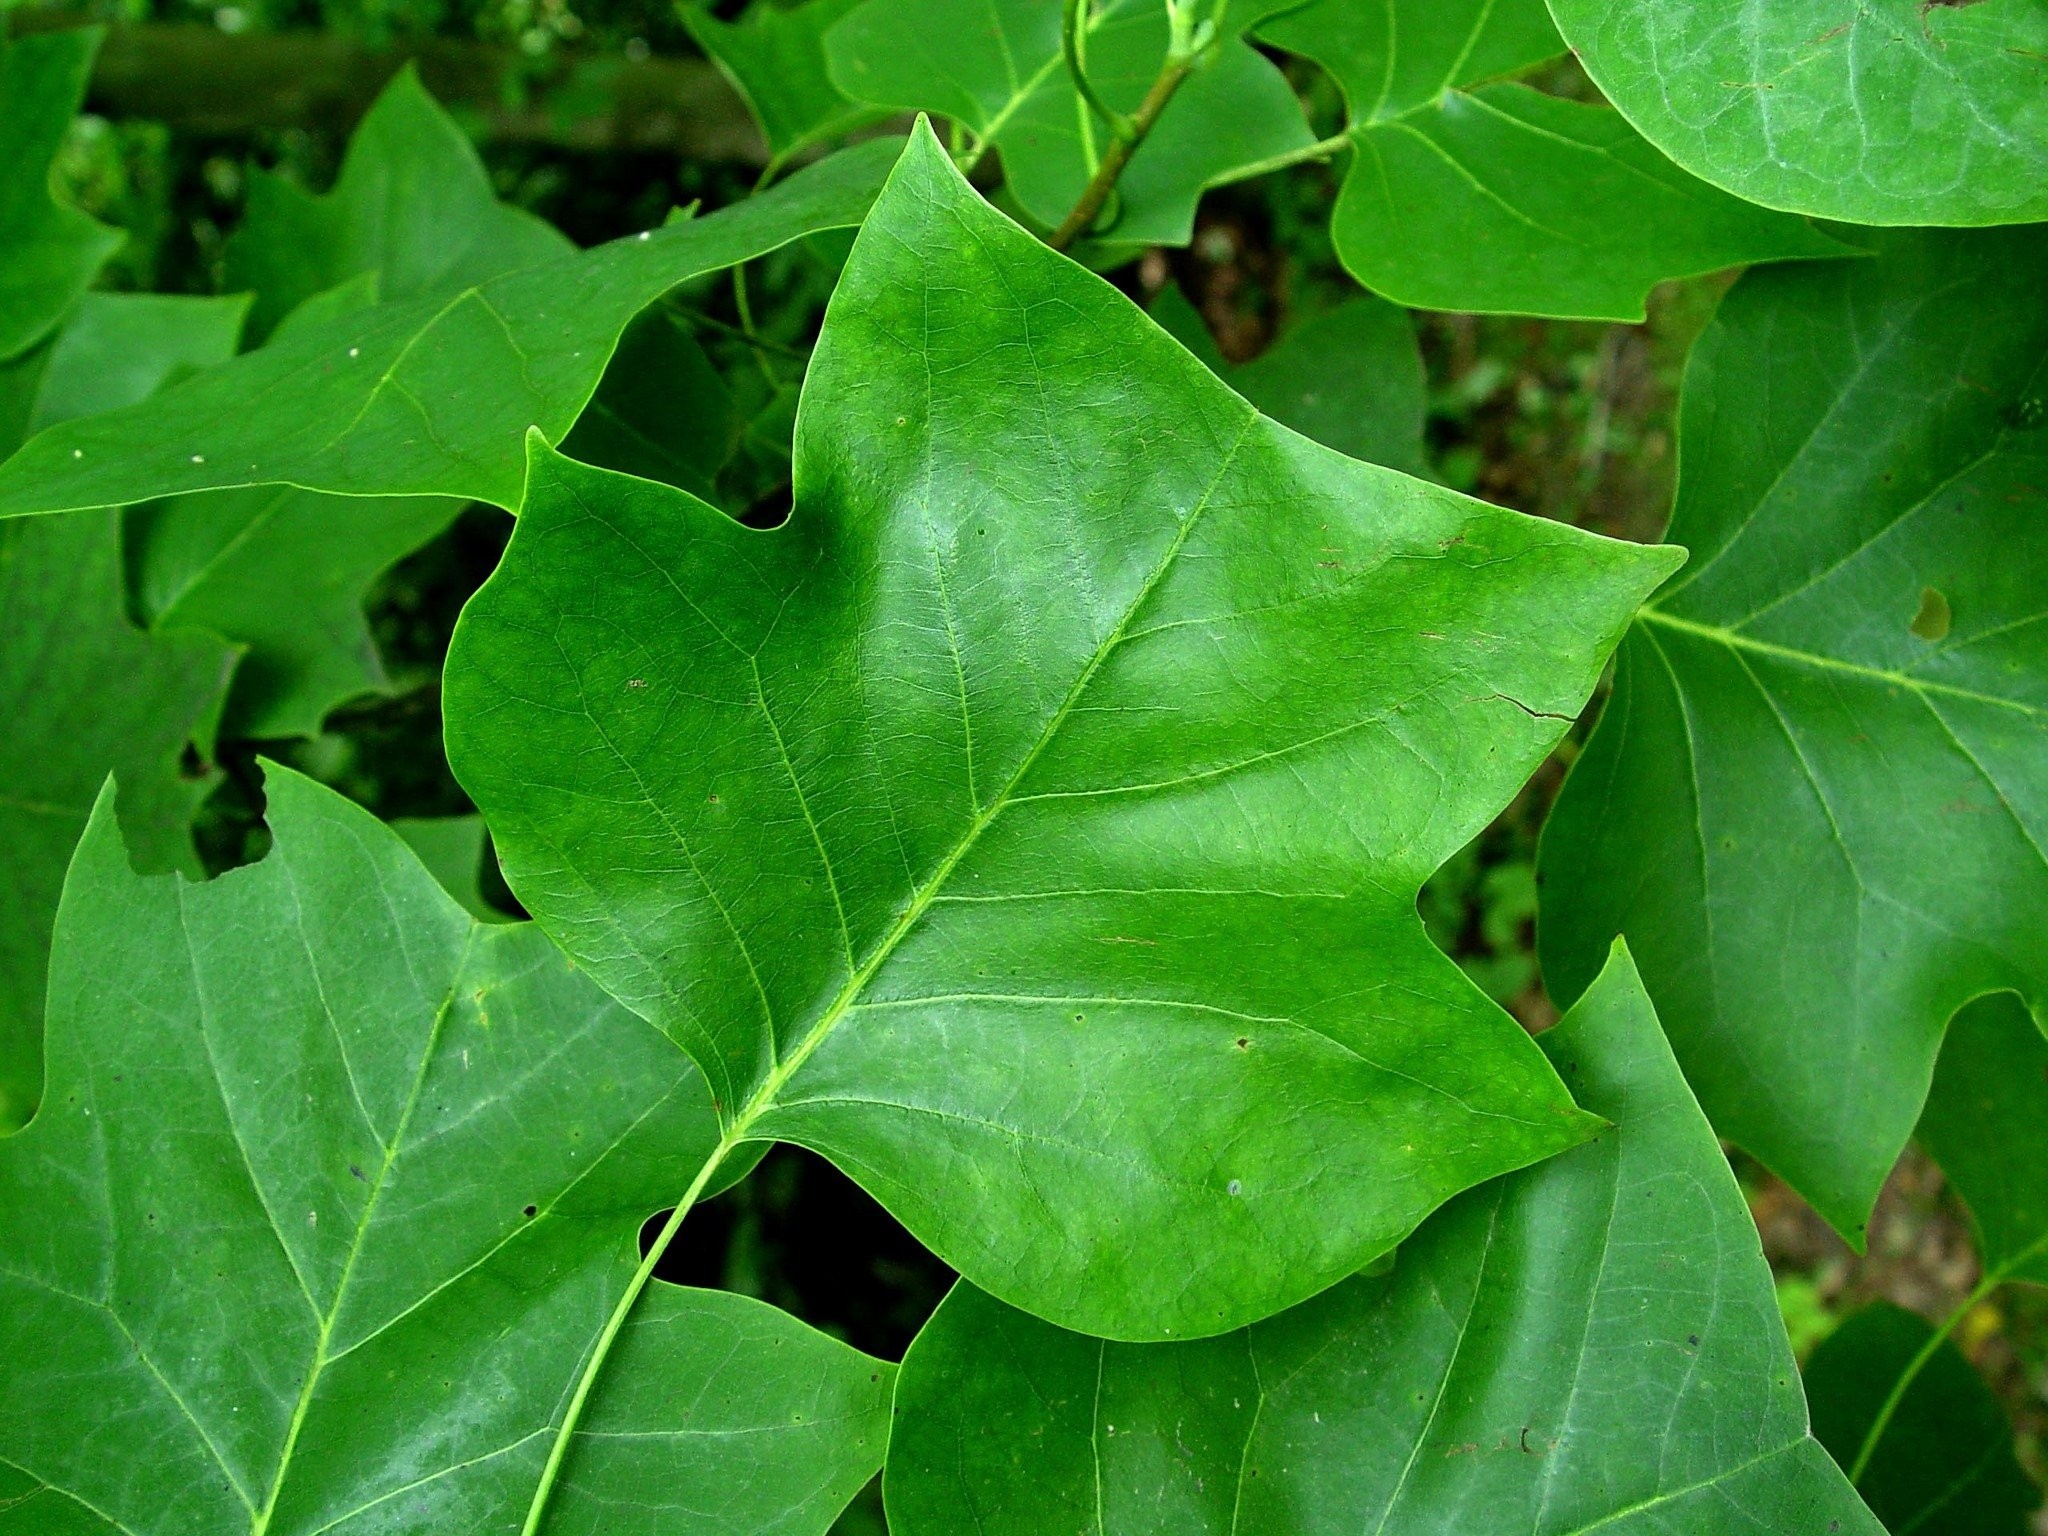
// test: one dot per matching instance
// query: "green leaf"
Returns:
(82, 691)
(282, 572)
(53, 250)
(424, 396)
(330, 1193)
(1033, 823)
(1822, 831)
(1873, 111)
(413, 204)
(997, 70)
(1986, 1122)
(452, 849)
(661, 412)
(1588, 1345)
(112, 350)
(1944, 1465)
(775, 58)
(1351, 377)
(1497, 198)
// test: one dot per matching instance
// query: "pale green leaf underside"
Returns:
(413, 204)
(1588, 1346)
(1870, 111)
(1817, 802)
(52, 249)
(1497, 198)
(426, 396)
(329, 1195)
(1033, 823)
(996, 67)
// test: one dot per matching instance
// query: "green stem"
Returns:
(1073, 48)
(745, 307)
(691, 316)
(1186, 44)
(601, 1351)
(1322, 149)
(1991, 1282)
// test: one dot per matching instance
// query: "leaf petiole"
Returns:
(1187, 41)
(1927, 1351)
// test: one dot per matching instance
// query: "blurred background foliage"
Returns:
(602, 116)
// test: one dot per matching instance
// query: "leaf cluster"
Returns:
(937, 712)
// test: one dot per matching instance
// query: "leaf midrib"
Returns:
(763, 1098)
(260, 1523)
(1737, 641)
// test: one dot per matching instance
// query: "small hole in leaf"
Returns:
(1235, 1187)
(1933, 620)
(531, 1211)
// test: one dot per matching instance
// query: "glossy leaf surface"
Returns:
(1497, 198)
(413, 204)
(1986, 1122)
(1033, 823)
(1351, 377)
(52, 249)
(1817, 813)
(1589, 1345)
(996, 68)
(1872, 111)
(775, 57)
(332, 1189)
(1944, 1465)
(421, 396)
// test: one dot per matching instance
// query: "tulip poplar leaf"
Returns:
(1033, 823)
(1943, 1465)
(997, 70)
(1591, 1345)
(53, 250)
(1869, 111)
(413, 204)
(330, 1193)
(1469, 192)
(422, 396)
(1822, 829)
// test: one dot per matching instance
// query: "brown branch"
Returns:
(1121, 147)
